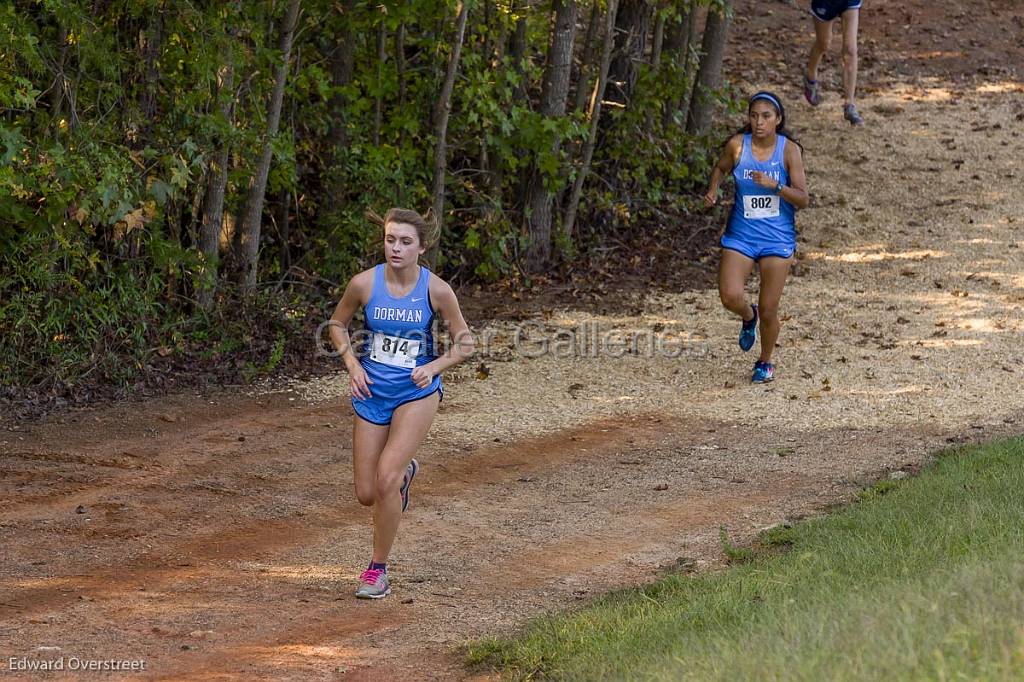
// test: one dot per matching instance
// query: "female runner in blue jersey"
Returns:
(825, 13)
(395, 377)
(768, 168)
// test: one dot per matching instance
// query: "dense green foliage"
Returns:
(920, 580)
(112, 114)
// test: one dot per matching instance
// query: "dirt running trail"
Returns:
(219, 538)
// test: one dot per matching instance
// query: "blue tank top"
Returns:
(760, 212)
(399, 332)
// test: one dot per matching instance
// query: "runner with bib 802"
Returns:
(770, 187)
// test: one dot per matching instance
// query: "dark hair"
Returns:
(776, 103)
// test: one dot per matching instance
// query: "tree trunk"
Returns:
(490, 163)
(696, 18)
(677, 51)
(657, 44)
(400, 70)
(677, 33)
(631, 24)
(569, 223)
(659, 38)
(342, 61)
(342, 65)
(209, 233)
(378, 104)
(500, 43)
(195, 213)
(59, 82)
(709, 76)
(488, 30)
(400, 63)
(586, 61)
(441, 113)
(553, 96)
(553, 100)
(283, 230)
(213, 204)
(154, 40)
(285, 196)
(252, 221)
(518, 52)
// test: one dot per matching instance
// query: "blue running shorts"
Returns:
(756, 249)
(378, 409)
(827, 10)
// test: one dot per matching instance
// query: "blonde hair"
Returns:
(427, 228)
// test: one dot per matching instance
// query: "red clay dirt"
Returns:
(157, 532)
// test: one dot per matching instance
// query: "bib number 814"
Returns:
(394, 350)
(394, 346)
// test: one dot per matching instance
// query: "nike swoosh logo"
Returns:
(416, 300)
(775, 163)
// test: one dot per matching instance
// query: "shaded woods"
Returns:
(178, 174)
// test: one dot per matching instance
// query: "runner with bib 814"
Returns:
(770, 186)
(395, 375)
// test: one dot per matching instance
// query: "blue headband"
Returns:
(770, 98)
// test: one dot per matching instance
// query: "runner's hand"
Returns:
(423, 375)
(711, 198)
(359, 383)
(763, 179)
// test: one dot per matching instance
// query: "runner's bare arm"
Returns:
(444, 301)
(357, 293)
(730, 155)
(796, 192)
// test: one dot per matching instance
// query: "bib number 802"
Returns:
(761, 206)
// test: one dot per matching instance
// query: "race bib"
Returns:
(761, 206)
(394, 350)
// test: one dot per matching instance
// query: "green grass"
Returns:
(922, 579)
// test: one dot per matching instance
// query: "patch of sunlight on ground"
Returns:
(881, 393)
(1005, 86)
(947, 343)
(303, 572)
(949, 300)
(939, 54)
(978, 324)
(862, 257)
(306, 651)
(925, 94)
(42, 583)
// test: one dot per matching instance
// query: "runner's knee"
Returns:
(388, 484)
(850, 51)
(366, 495)
(769, 313)
(732, 297)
